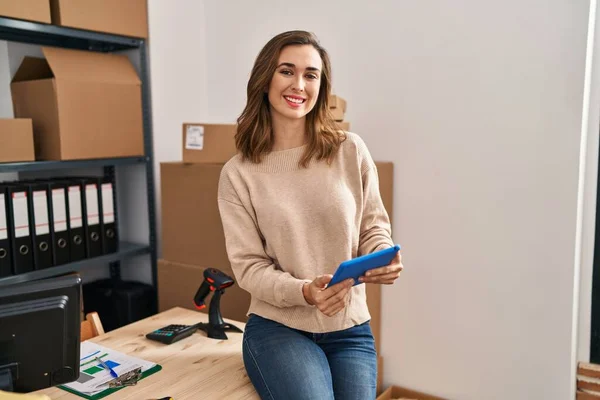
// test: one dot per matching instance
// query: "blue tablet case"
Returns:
(357, 267)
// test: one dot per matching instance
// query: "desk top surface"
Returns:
(196, 367)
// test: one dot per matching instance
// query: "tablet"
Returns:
(357, 267)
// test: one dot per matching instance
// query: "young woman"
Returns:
(299, 198)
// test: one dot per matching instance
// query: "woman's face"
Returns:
(294, 88)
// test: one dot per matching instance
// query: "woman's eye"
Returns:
(286, 72)
(312, 76)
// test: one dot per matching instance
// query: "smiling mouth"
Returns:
(294, 100)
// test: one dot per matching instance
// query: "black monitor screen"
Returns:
(40, 328)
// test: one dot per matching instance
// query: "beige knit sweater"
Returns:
(285, 225)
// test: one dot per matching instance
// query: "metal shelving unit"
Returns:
(56, 36)
(126, 249)
(71, 164)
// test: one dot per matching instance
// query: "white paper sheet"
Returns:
(93, 378)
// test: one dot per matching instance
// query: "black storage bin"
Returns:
(117, 302)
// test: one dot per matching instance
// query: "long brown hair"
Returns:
(254, 137)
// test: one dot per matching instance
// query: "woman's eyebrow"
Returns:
(290, 65)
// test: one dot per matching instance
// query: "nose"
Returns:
(298, 84)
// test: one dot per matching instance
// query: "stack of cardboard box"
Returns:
(75, 104)
(192, 233)
(128, 18)
(77, 115)
(337, 108)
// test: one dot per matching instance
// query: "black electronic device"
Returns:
(40, 330)
(172, 333)
(214, 281)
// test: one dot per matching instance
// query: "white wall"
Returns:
(591, 121)
(178, 75)
(479, 107)
(6, 109)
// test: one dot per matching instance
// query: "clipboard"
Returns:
(108, 391)
(94, 380)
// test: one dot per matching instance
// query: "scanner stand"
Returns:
(216, 327)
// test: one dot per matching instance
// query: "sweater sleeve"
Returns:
(253, 268)
(375, 227)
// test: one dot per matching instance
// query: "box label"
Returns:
(59, 210)
(75, 207)
(91, 202)
(3, 227)
(40, 208)
(108, 209)
(194, 137)
(21, 214)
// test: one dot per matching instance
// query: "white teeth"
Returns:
(297, 101)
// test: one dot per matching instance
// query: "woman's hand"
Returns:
(384, 275)
(328, 299)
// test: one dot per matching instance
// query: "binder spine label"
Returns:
(21, 214)
(59, 210)
(3, 225)
(40, 207)
(91, 202)
(108, 209)
(75, 207)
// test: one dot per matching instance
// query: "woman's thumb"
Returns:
(323, 280)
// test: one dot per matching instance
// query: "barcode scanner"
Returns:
(214, 281)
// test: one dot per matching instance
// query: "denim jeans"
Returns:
(289, 364)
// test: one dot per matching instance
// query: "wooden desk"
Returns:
(193, 368)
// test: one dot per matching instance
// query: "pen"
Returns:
(106, 367)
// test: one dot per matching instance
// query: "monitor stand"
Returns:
(6, 376)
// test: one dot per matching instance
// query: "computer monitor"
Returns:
(40, 329)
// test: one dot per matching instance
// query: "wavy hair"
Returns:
(254, 137)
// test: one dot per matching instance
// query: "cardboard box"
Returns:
(215, 143)
(120, 17)
(397, 392)
(178, 284)
(192, 232)
(581, 395)
(374, 303)
(208, 143)
(337, 114)
(83, 104)
(379, 375)
(337, 102)
(385, 170)
(16, 140)
(386, 188)
(30, 10)
(344, 125)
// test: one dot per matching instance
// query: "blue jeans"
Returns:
(286, 363)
